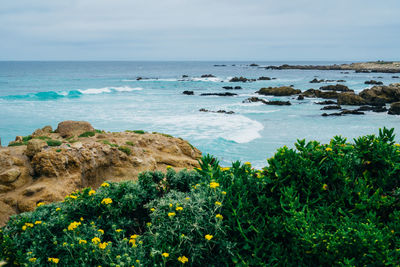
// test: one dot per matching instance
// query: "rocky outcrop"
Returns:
(263, 78)
(337, 87)
(350, 99)
(278, 91)
(207, 76)
(321, 94)
(232, 88)
(326, 102)
(218, 111)
(331, 107)
(71, 128)
(379, 95)
(373, 82)
(38, 172)
(241, 79)
(394, 108)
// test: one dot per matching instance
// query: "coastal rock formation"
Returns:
(219, 94)
(321, 94)
(337, 87)
(241, 79)
(350, 99)
(331, 107)
(379, 95)
(39, 172)
(279, 91)
(71, 128)
(373, 82)
(394, 108)
(207, 76)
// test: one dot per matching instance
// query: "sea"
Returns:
(124, 95)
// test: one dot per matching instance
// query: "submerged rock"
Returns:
(344, 112)
(188, 92)
(263, 78)
(337, 87)
(276, 102)
(218, 111)
(207, 76)
(219, 94)
(315, 80)
(327, 102)
(373, 82)
(331, 107)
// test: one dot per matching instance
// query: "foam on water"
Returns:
(94, 91)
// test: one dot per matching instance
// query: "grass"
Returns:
(136, 131)
(53, 142)
(87, 134)
(129, 143)
(125, 149)
(106, 142)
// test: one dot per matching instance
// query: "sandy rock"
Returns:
(10, 175)
(71, 128)
(34, 146)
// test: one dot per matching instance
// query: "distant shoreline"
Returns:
(363, 67)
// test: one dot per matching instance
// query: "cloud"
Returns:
(194, 29)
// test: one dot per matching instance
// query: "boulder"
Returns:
(379, 95)
(327, 102)
(331, 107)
(188, 92)
(350, 99)
(300, 97)
(278, 91)
(321, 94)
(315, 80)
(337, 87)
(394, 108)
(35, 146)
(241, 79)
(228, 87)
(9, 175)
(263, 78)
(207, 76)
(71, 128)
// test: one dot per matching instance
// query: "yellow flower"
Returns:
(182, 235)
(81, 219)
(208, 237)
(101, 231)
(82, 241)
(38, 222)
(170, 205)
(218, 203)
(96, 240)
(92, 192)
(73, 197)
(24, 228)
(169, 167)
(133, 242)
(106, 201)
(225, 169)
(134, 236)
(103, 245)
(219, 216)
(328, 149)
(179, 208)
(152, 209)
(187, 198)
(55, 260)
(325, 187)
(32, 259)
(165, 255)
(65, 244)
(247, 163)
(29, 224)
(214, 185)
(148, 224)
(118, 230)
(73, 225)
(58, 209)
(40, 204)
(223, 192)
(398, 145)
(171, 214)
(183, 259)
(105, 184)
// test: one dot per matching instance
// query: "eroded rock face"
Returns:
(41, 173)
(71, 128)
(350, 99)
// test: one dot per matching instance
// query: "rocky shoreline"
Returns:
(48, 165)
(362, 67)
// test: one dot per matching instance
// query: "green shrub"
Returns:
(316, 205)
(99, 131)
(130, 143)
(52, 142)
(125, 149)
(17, 144)
(42, 137)
(106, 142)
(136, 131)
(87, 134)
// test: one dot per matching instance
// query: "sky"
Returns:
(353, 30)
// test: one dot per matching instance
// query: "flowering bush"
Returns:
(332, 204)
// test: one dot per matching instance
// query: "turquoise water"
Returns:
(107, 94)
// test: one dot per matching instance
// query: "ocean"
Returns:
(110, 96)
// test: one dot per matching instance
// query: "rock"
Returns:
(10, 175)
(18, 139)
(320, 94)
(379, 95)
(228, 87)
(394, 108)
(219, 111)
(188, 92)
(344, 112)
(331, 107)
(278, 91)
(350, 99)
(34, 146)
(315, 80)
(395, 77)
(71, 128)
(185, 76)
(219, 94)
(237, 87)
(263, 78)
(256, 99)
(337, 87)
(327, 102)
(241, 79)
(372, 108)
(300, 97)
(253, 65)
(373, 82)
(207, 76)
(341, 81)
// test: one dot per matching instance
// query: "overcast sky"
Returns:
(199, 30)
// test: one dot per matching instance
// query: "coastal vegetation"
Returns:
(315, 204)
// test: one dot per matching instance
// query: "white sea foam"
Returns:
(94, 91)
(237, 128)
